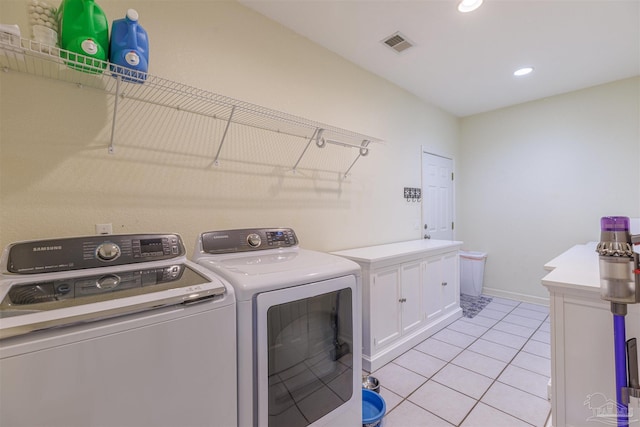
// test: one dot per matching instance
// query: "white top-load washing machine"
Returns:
(299, 328)
(114, 330)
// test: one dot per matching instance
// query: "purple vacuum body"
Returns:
(620, 284)
(619, 279)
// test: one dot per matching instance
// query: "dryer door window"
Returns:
(307, 366)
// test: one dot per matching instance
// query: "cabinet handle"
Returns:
(402, 300)
(444, 283)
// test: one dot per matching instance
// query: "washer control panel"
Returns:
(75, 253)
(249, 239)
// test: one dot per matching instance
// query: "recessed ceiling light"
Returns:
(523, 71)
(469, 5)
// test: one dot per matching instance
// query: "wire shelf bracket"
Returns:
(317, 134)
(364, 150)
(224, 136)
(111, 149)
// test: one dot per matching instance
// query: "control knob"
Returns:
(108, 282)
(254, 240)
(108, 251)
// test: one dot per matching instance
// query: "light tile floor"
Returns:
(491, 370)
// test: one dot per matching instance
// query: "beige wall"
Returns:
(535, 179)
(58, 180)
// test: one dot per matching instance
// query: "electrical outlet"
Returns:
(104, 229)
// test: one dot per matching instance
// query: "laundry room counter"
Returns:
(582, 357)
(410, 290)
(390, 251)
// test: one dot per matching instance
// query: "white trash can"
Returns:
(472, 272)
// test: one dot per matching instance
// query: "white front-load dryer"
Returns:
(299, 328)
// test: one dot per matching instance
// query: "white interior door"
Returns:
(437, 197)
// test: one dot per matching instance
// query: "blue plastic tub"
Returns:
(373, 408)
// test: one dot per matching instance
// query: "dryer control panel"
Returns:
(248, 239)
(76, 253)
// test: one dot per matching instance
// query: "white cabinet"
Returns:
(440, 284)
(450, 273)
(410, 291)
(431, 284)
(395, 302)
(410, 295)
(385, 319)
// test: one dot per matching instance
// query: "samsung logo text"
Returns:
(47, 248)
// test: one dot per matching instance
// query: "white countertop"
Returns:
(575, 255)
(577, 268)
(372, 254)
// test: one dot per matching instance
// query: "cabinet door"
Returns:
(450, 278)
(431, 288)
(410, 295)
(385, 307)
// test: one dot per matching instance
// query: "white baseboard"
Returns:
(515, 296)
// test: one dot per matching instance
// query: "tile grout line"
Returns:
(445, 365)
(493, 380)
(501, 372)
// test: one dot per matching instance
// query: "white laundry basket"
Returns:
(472, 272)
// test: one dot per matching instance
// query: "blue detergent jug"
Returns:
(129, 49)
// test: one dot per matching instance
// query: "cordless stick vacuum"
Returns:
(620, 284)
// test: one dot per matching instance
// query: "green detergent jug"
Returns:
(84, 30)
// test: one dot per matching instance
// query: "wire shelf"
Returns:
(38, 59)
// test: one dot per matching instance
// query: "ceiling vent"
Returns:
(398, 42)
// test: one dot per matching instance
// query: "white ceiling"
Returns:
(463, 63)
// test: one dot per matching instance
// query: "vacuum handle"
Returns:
(632, 361)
